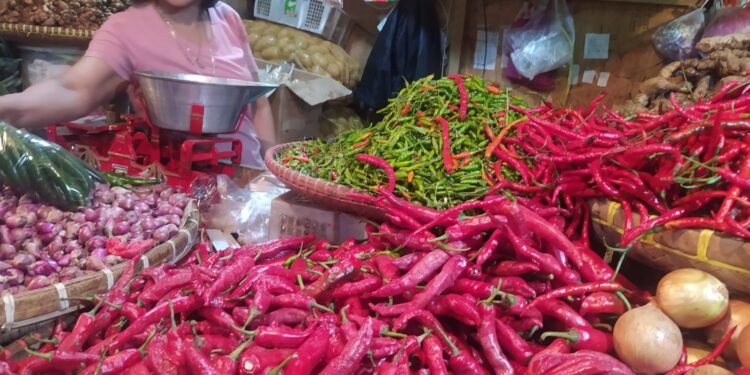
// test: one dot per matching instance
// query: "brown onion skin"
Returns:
(637, 344)
(738, 315)
(743, 348)
(692, 298)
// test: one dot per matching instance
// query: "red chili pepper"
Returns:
(547, 263)
(512, 343)
(310, 354)
(456, 306)
(218, 317)
(581, 333)
(163, 286)
(419, 273)
(406, 108)
(382, 164)
(257, 360)
(59, 361)
(515, 268)
(446, 142)
(178, 305)
(494, 90)
(348, 361)
(198, 363)
(340, 272)
(598, 303)
(281, 337)
(463, 99)
(368, 284)
(447, 276)
(487, 337)
(573, 290)
(433, 351)
(115, 363)
(710, 358)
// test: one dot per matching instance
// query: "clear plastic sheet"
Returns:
(234, 209)
(544, 43)
(676, 40)
(31, 164)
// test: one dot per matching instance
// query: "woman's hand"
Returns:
(81, 89)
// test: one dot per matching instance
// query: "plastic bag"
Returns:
(727, 20)
(545, 42)
(245, 211)
(676, 40)
(31, 164)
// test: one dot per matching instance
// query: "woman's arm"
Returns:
(85, 86)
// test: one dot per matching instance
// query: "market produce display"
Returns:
(524, 300)
(725, 59)
(435, 139)
(78, 14)
(278, 43)
(690, 165)
(41, 245)
(299, 306)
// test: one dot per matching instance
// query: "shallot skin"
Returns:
(41, 245)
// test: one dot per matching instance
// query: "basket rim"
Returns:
(274, 166)
(188, 230)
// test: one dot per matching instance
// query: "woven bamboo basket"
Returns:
(727, 258)
(29, 311)
(26, 33)
(333, 196)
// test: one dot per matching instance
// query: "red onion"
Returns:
(105, 196)
(112, 260)
(96, 241)
(22, 261)
(110, 213)
(64, 261)
(94, 264)
(161, 221)
(57, 255)
(136, 229)
(56, 245)
(19, 235)
(50, 214)
(132, 216)
(163, 209)
(38, 282)
(148, 224)
(31, 218)
(33, 248)
(85, 232)
(24, 208)
(7, 251)
(42, 267)
(78, 217)
(69, 273)
(121, 228)
(15, 221)
(126, 203)
(164, 194)
(164, 233)
(99, 252)
(174, 219)
(77, 255)
(4, 266)
(44, 228)
(5, 207)
(150, 200)
(5, 234)
(13, 276)
(90, 215)
(70, 246)
(71, 230)
(141, 207)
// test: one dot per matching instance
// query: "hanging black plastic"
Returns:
(29, 164)
(407, 48)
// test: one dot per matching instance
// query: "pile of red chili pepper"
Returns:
(689, 166)
(501, 291)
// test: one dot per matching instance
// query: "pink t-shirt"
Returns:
(137, 39)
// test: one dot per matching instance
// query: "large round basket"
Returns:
(334, 196)
(28, 311)
(727, 258)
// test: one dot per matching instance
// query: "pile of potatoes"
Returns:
(277, 43)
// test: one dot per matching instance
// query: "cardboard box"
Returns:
(297, 106)
(293, 215)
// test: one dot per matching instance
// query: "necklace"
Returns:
(194, 59)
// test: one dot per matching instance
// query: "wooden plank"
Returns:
(456, 21)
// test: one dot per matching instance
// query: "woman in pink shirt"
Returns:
(205, 37)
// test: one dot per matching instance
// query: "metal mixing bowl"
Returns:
(197, 104)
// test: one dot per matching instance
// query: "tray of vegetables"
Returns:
(431, 147)
(51, 258)
(489, 286)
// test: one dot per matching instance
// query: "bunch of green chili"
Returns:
(435, 165)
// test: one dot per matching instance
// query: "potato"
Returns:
(335, 69)
(252, 38)
(272, 53)
(264, 42)
(303, 59)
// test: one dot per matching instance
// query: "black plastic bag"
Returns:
(408, 48)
